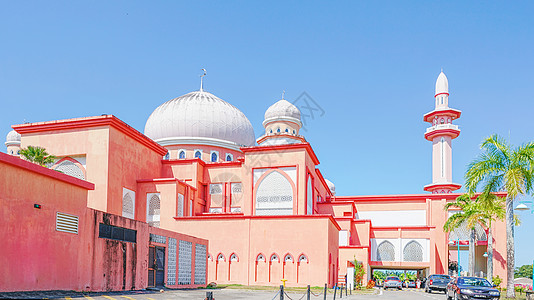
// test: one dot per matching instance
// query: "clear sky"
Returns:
(370, 66)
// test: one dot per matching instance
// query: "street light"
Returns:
(457, 243)
(522, 207)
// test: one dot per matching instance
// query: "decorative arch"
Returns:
(260, 257)
(128, 203)
(234, 257)
(413, 251)
(181, 154)
(220, 257)
(303, 258)
(70, 166)
(288, 258)
(385, 251)
(274, 194)
(274, 257)
(210, 258)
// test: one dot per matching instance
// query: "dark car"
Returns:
(471, 288)
(437, 282)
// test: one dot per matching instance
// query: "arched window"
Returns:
(214, 156)
(287, 130)
(288, 258)
(234, 257)
(309, 197)
(303, 258)
(413, 251)
(229, 157)
(128, 203)
(271, 131)
(278, 130)
(220, 257)
(274, 195)
(70, 168)
(198, 154)
(153, 209)
(209, 257)
(294, 131)
(260, 257)
(167, 156)
(274, 258)
(182, 154)
(385, 251)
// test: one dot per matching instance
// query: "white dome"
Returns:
(200, 117)
(331, 186)
(442, 84)
(282, 110)
(13, 137)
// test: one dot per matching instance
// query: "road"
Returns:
(236, 294)
(222, 294)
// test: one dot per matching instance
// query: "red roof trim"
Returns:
(266, 137)
(447, 112)
(454, 133)
(183, 161)
(241, 216)
(307, 146)
(401, 227)
(20, 163)
(321, 177)
(354, 247)
(106, 120)
(165, 180)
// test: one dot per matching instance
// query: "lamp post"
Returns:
(522, 206)
(458, 255)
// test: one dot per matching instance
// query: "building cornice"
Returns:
(449, 112)
(88, 122)
(29, 166)
(306, 146)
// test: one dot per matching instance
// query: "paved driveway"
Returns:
(226, 294)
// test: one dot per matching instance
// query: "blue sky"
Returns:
(371, 66)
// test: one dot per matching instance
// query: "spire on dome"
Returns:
(442, 84)
(202, 79)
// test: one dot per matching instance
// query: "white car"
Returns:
(392, 282)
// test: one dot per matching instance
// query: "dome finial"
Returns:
(202, 79)
(283, 94)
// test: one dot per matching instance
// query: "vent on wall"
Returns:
(66, 223)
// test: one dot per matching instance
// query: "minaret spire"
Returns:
(441, 133)
(202, 79)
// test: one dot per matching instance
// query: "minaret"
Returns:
(13, 143)
(441, 134)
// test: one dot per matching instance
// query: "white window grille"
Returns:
(309, 197)
(66, 223)
(153, 209)
(413, 251)
(274, 195)
(200, 264)
(128, 203)
(185, 251)
(215, 188)
(70, 168)
(180, 208)
(171, 267)
(385, 251)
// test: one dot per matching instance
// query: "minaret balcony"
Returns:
(442, 129)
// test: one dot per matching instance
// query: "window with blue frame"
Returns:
(228, 157)
(181, 155)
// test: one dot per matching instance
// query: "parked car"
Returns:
(437, 282)
(409, 283)
(471, 288)
(392, 282)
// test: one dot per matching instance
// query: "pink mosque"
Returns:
(256, 210)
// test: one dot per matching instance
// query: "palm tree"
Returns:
(37, 155)
(492, 208)
(469, 216)
(503, 168)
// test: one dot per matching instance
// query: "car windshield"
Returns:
(473, 281)
(445, 277)
(392, 278)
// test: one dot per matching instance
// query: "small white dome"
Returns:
(202, 116)
(442, 84)
(331, 186)
(283, 110)
(13, 137)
